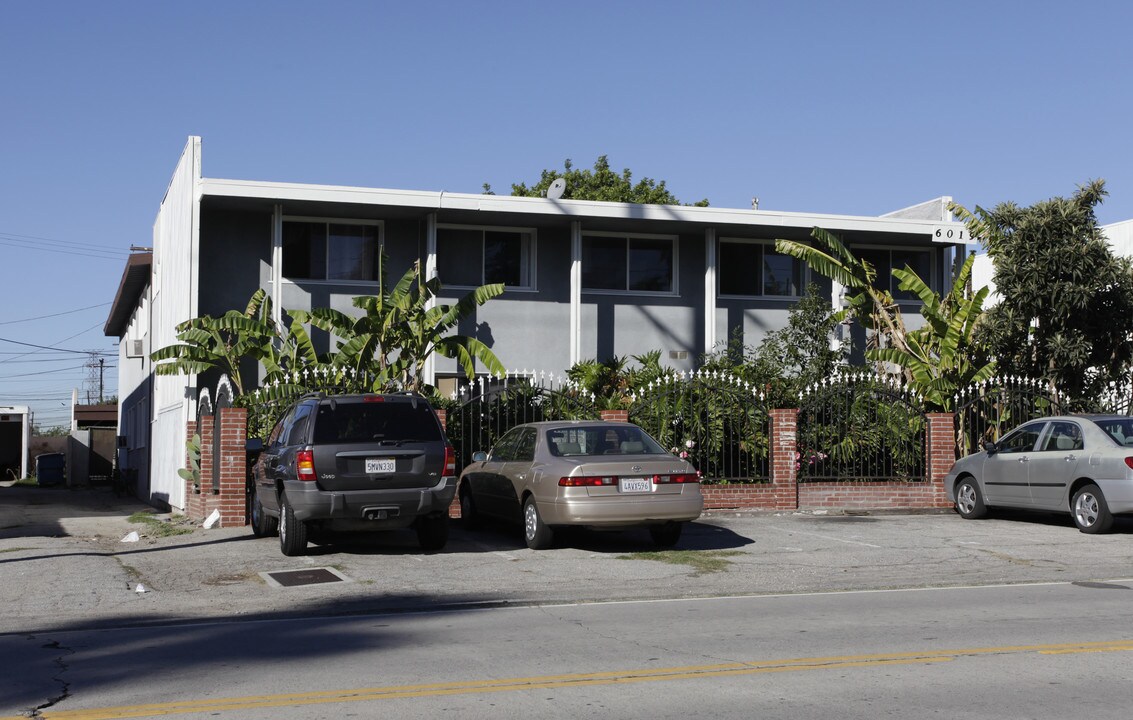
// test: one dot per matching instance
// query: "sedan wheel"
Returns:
(969, 502)
(1091, 514)
(468, 516)
(535, 531)
(666, 535)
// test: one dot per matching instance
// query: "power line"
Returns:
(65, 312)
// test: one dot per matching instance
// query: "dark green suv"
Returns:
(354, 462)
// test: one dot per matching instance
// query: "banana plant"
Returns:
(938, 358)
(400, 327)
(221, 343)
(874, 308)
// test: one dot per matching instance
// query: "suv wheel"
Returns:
(432, 531)
(263, 525)
(292, 532)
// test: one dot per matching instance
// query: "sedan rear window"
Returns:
(1120, 430)
(601, 440)
(375, 422)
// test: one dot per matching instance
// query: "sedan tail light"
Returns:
(587, 481)
(677, 478)
(1129, 462)
(305, 465)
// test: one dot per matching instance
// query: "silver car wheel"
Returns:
(1086, 509)
(966, 499)
(1090, 511)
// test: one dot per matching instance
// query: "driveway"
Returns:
(62, 560)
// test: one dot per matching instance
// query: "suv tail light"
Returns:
(305, 465)
(450, 461)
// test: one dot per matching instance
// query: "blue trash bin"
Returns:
(50, 468)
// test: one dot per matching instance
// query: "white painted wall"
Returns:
(174, 300)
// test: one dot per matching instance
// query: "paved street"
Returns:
(756, 589)
(76, 570)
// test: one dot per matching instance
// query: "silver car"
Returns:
(593, 473)
(1078, 463)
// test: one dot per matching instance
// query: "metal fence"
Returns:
(489, 407)
(718, 421)
(987, 410)
(860, 427)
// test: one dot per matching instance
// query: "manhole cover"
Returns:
(309, 576)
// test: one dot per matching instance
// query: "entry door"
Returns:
(1007, 471)
(1055, 465)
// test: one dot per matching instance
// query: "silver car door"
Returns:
(1055, 465)
(1006, 471)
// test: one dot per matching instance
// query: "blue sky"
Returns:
(831, 107)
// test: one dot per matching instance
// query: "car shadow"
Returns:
(1122, 524)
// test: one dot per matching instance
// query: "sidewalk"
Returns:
(63, 563)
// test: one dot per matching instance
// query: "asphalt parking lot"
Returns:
(63, 561)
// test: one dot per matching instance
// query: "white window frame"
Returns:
(674, 290)
(379, 224)
(804, 280)
(532, 253)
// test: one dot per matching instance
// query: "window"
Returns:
(753, 268)
(1022, 440)
(336, 251)
(883, 261)
(1063, 436)
(475, 256)
(630, 263)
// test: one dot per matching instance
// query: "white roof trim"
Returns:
(442, 200)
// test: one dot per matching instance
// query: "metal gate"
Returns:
(860, 427)
(489, 407)
(718, 421)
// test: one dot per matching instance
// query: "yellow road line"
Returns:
(615, 677)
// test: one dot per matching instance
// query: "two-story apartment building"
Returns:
(584, 279)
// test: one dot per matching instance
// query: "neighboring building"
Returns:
(15, 432)
(129, 321)
(584, 279)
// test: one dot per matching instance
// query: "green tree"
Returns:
(601, 183)
(941, 356)
(398, 331)
(1066, 313)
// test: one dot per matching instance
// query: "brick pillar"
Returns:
(940, 453)
(233, 467)
(442, 415)
(615, 415)
(784, 443)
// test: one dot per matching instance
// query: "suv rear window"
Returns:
(358, 422)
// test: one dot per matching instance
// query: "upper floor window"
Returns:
(634, 263)
(331, 250)
(885, 260)
(749, 268)
(475, 256)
